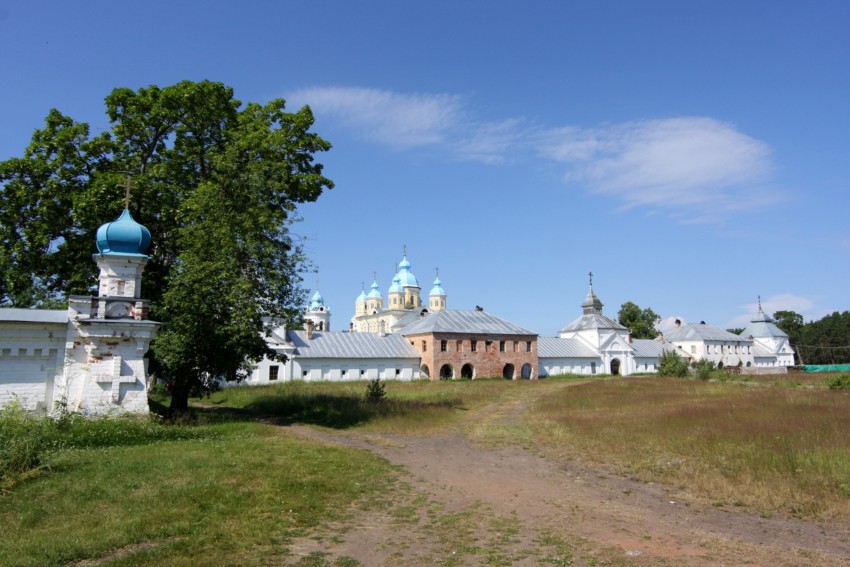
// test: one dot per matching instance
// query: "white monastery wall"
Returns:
(31, 359)
(558, 366)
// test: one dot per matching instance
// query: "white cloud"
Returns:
(384, 116)
(680, 164)
(695, 168)
(669, 323)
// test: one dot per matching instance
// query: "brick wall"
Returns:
(482, 353)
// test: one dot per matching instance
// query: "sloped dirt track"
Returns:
(467, 503)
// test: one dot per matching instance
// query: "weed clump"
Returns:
(705, 369)
(27, 440)
(840, 382)
(22, 442)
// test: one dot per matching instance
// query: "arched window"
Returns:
(467, 372)
(447, 372)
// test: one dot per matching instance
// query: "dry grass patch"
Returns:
(777, 448)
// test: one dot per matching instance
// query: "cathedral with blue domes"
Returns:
(403, 304)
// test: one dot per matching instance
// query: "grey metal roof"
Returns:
(468, 322)
(701, 331)
(406, 319)
(34, 315)
(592, 321)
(650, 348)
(350, 345)
(763, 329)
(555, 347)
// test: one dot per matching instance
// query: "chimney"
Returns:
(308, 326)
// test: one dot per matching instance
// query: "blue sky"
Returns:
(693, 155)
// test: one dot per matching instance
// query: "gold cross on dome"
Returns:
(127, 187)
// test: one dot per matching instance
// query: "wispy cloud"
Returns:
(695, 168)
(679, 164)
(387, 117)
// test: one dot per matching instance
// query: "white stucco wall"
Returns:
(339, 370)
(558, 366)
(645, 364)
(31, 360)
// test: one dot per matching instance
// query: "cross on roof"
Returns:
(590, 274)
(127, 186)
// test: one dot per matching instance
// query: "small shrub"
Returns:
(840, 382)
(671, 364)
(375, 390)
(705, 368)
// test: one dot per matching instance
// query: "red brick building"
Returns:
(472, 344)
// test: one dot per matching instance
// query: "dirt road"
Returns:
(461, 502)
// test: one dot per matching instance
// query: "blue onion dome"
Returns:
(317, 301)
(123, 236)
(396, 286)
(438, 288)
(405, 276)
(374, 293)
(362, 297)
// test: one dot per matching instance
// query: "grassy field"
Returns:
(235, 488)
(774, 446)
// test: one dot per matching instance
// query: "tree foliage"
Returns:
(791, 323)
(641, 322)
(217, 184)
(825, 341)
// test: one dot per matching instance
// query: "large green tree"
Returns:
(790, 322)
(217, 183)
(641, 322)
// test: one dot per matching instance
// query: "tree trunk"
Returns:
(179, 398)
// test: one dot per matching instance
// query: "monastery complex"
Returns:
(402, 337)
(90, 358)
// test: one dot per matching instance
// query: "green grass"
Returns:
(407, 407)
(234, 496)
(232, 487)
